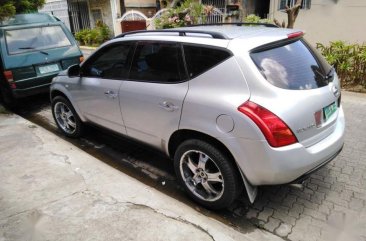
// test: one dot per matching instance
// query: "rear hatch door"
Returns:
(36, 51)
(300, 87)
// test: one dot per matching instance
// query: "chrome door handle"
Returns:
(168, 106)
(110, 94)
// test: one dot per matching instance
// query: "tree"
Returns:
(292, 13)
(10, 7)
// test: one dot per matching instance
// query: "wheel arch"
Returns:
(58, 92)
(180, 136)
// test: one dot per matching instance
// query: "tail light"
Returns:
(273, 128)
(81, 59)
(295, 35)
(8, 74)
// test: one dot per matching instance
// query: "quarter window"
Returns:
(157, 62)
(111, 62)
(199, 59)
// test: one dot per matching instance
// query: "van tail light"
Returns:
(273, 128)
(8, 74)
(81, 59)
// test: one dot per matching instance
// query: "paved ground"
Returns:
(332, 203)
(51, 190)
(330, 206)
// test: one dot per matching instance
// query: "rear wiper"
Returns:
(329, 74)
(42, 52)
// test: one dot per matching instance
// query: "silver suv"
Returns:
(235, 106)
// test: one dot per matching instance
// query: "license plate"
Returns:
(48, 68)
(329, 110)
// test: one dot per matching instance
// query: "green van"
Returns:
(34, 48)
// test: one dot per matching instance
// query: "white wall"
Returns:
(57, 8)
(329, 21)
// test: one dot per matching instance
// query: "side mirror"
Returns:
(73, 71)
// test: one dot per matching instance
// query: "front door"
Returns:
(151, 100)
(102, 75)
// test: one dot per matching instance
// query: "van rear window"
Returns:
(292, 66)
(33, 39)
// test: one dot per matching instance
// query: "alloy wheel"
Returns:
(202, 175)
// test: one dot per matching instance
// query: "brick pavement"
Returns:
(332, 203)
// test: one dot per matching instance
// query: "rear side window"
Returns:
(157, 62)
(292, 66)
(33, 39)
(199, 59)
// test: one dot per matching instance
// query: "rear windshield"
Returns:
(33, 39)
(293, 66)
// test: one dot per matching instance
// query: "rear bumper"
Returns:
(21, 93)
(307, 175)
(265, 165)
(33, 86)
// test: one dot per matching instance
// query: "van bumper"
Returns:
(33, 86)
(21, 93)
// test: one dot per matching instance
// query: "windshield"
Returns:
(293, 66)
(35, 39)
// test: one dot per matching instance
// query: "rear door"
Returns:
(305, 92)
(97, 94)
(152, 98)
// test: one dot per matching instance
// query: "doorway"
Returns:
(261, 8)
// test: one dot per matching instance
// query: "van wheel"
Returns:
(207, 175)
(66, 117)
(7, 97)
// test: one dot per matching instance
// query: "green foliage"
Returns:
(94, 37)
(7, 9)
(10, 7)
(255, 19)
(349, 61)
(189, 13)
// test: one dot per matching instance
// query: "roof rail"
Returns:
(270, 25)
(215, 35)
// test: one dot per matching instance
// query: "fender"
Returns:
(60, 87)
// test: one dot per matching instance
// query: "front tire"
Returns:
(66, 118)
(207, 175)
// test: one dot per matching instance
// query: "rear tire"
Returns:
(208, 176)
(66, 118)
(7, 97)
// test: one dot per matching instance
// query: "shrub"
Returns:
(94, 37)
(255, 19)
(349, 60)
(190, 12)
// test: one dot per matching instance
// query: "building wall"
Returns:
(329, 20)
(57, 8)
(105, 7)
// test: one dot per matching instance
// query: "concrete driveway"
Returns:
(52, 190)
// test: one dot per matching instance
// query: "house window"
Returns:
(97, 15)
(305, 4)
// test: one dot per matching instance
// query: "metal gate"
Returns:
(78, 15)
(216, 16)
(219, 4)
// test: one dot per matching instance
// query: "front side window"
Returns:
(32, 39)
(292, 66)
(305, 4)
(111, 62)
(157, 62)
